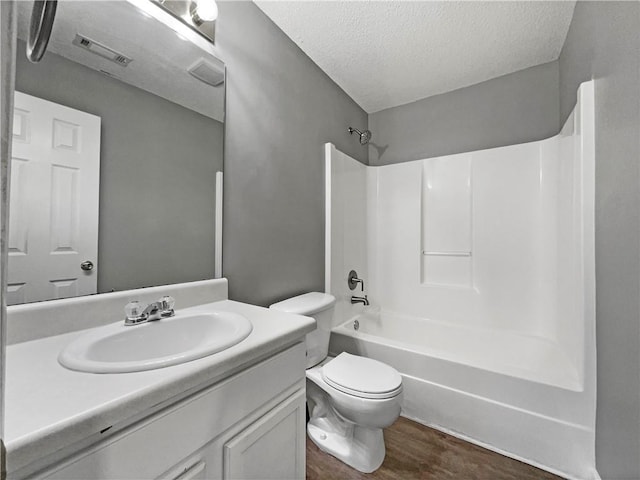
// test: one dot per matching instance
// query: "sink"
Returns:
(117, 348)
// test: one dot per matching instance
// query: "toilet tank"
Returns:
(320, 307)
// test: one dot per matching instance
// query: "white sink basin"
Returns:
(118, 349)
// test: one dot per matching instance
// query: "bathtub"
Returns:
(511, 393)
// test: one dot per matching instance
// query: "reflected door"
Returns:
(53, 217)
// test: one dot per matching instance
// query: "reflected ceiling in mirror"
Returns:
(158, 58)
(158, 138)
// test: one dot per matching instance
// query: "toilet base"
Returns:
(359, 447)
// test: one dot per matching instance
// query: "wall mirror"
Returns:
(117, 141)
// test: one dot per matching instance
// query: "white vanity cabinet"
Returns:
(266, 449)
(248, 426)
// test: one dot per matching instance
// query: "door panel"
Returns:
(55, 176)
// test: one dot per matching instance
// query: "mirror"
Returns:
(117, 141)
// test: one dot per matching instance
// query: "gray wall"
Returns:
(281, 109)
(157, 174)
(604, 43)
(516, 108)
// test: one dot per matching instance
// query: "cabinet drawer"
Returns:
(152, 446)
(195, 472)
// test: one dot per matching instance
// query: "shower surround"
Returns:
(480, 272)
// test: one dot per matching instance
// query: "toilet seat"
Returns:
(362, 377)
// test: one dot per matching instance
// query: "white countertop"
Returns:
(49, 408)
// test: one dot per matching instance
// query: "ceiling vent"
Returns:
(101, 50)
(207, 72)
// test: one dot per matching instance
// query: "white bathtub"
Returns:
(503, 352)
(512, 393)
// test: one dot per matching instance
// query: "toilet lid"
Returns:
(362, 377)
(306, 304)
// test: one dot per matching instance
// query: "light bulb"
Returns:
(207, 10)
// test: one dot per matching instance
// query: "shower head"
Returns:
(364, 136)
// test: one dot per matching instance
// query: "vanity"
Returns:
(238, 413)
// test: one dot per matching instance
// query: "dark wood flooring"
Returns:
(416, 452)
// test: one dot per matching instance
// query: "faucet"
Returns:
(163, 308)
(364, 300)
(152, 312)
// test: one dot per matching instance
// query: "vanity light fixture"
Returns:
(203, 11)
(177, 15)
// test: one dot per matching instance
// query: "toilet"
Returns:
(350, 398)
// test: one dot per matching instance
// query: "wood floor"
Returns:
(416, 452)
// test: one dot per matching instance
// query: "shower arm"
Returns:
(364, 136)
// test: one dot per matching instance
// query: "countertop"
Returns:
(48, 408)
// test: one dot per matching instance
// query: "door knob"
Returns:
(87, 265)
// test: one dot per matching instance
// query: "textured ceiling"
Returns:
(388, 53)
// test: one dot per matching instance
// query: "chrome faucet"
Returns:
(364, 300)
(163, 308)
(152, 312)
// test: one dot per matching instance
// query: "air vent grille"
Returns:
(101, 50)
(122, 59)
(207, 72)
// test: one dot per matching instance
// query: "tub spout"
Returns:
(364, 300)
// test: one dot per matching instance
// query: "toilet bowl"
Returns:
(348, 423)
(350, 398)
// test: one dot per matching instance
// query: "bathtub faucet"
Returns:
(364, 300)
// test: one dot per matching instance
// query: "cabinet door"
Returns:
(273, 447)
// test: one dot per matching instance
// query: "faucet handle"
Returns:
(134, 312)
(166, 306)
(353, 281)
